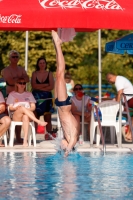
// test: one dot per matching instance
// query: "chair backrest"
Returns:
(109, 110)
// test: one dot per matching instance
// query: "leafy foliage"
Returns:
(81, 54)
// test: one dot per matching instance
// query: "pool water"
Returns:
(80, 176)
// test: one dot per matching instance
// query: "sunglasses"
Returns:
(77, 89)
(22, 83)
(14, 56)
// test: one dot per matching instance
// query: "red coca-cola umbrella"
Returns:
(79, 14)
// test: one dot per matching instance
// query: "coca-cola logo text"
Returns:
(85, 4)
(13, 19)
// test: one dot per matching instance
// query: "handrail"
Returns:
(120, 123)
(83, 111)
(100, 128)
(127, 109)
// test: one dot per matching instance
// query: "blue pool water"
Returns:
(80, 176)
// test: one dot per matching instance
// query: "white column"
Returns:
(99, 66)
(120, 124)
(26, 51)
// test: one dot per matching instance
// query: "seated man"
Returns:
(123, 85)
(68, 121)
(4, 119)
(77, 107)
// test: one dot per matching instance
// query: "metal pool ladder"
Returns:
(127, 112)
(100, 129)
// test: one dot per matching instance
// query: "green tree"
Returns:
(81, 54)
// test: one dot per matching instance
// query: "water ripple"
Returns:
(80, 176)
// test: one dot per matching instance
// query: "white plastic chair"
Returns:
(109, 110)
(4, 136)
(12, 131)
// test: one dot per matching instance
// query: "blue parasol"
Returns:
(121, 45)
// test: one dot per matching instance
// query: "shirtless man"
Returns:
(11, 74)
(13, 71)
(68, 121)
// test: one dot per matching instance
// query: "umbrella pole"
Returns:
(83, 111)
(120, 123)
(26, 51)
(99, 65)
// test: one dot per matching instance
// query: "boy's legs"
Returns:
(60, 91)
(60, 84)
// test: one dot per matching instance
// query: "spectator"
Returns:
(22, 104)
(123, 85)
(10, 75)
(4, 119)
(77, 106)
(42, 82)
(13, 72)
(69, 84)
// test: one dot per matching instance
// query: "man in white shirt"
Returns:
(123, 85)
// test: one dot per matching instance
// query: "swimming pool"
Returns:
(80, 176)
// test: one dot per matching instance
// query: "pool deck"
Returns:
(48, 146)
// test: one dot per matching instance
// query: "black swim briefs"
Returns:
(63, 103)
